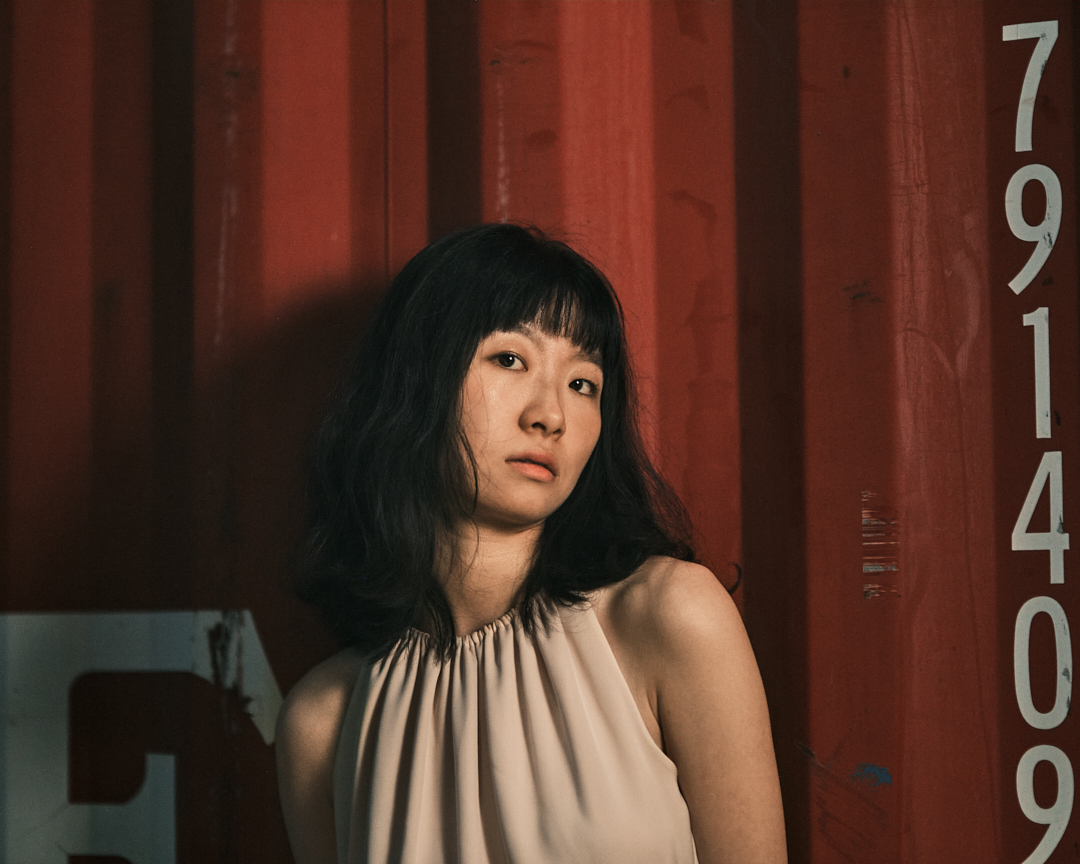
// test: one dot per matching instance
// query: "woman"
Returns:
(537, 672)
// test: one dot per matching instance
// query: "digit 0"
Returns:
(1022, 663)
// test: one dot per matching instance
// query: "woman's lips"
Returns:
(535, 466)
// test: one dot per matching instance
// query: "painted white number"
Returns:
(1056, 816)
(1055, 540)
(1040, 320)
(1022, 667)
(1042, 235)
(41, 656)
(1046, 32)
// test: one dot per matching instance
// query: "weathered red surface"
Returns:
(801, 207)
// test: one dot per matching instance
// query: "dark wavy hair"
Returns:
(392, 472)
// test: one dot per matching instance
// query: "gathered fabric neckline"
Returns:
(474, 638)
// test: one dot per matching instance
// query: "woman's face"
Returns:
(531, 414)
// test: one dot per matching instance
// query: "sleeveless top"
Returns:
(519, 749)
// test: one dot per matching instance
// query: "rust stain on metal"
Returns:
(861, 291)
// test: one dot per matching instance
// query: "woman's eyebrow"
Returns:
(590, 356)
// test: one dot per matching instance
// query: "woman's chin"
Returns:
(511, 520)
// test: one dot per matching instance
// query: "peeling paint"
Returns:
(242, 669)
(880, 545)
(221, 637)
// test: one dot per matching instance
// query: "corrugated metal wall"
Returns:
(812, 212)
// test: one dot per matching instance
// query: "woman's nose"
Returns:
(544, 410)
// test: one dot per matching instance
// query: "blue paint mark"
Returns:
(871, 775)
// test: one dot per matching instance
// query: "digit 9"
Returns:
(1056, 816)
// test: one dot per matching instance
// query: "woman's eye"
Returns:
(508, 360)
(583, 386)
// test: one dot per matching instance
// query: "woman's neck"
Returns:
(485, 580)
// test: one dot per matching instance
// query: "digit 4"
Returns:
(1055, 541)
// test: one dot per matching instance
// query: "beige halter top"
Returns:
(523, 749)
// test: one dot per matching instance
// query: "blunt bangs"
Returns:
(503, 277)
(590, 322)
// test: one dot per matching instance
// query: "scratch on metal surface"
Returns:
(846, 818)
(804, 748)
(228, 189)
(969, 276)
(503, 177)
(228, 213)
(230, 28)
(879, 542)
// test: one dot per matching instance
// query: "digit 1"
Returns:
(1040, 320)
(1056, 816)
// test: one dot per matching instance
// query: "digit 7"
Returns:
(1046, 32)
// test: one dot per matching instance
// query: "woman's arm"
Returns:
(306, 741)
(684, 635)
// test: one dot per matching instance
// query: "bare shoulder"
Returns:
(307, 734)
(316, 703)
(670, 606)
(680, 641)
(679, 623)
